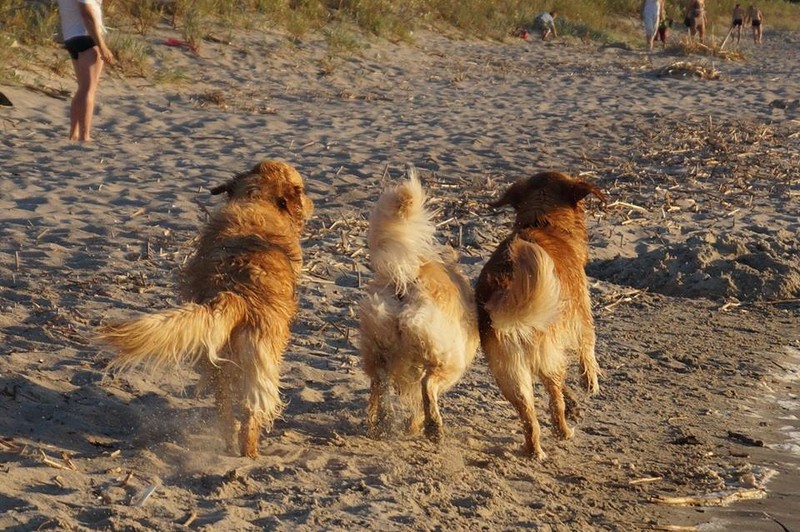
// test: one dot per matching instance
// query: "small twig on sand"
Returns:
(729, 305)
(52, 463)
(8, 445)
(190, 519)
(643, 480)
(745, 439)
(315, 279)
(782, 301)
(627, 297)
(68, 461)
(785, 529)
(625, 204)
(712, 499)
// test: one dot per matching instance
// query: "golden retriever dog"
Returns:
(418, 322)
(240, 291)
(533, 299)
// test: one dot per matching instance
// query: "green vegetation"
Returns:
(345, 22)
(36, 21)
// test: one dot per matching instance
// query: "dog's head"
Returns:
(541, 199)
(271, 181)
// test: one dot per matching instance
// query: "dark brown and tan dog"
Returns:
(240, 291)
(533, 298)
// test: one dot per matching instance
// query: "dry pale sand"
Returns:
(695, 281)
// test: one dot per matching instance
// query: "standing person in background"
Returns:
(651, 14)
(82, 26)
(737, 20)
(756, 18)
(546, 23)
(696, 17)
(663, 26)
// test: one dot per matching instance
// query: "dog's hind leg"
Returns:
(379, 418)
(249, 434)
(590, 370)
(430, 403)
(224, 402)
(555, 386)
(259, 359)
(514, 378)
(571, 407)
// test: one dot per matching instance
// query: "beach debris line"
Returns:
(684, 69)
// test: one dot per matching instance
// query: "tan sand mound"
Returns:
(763, 267)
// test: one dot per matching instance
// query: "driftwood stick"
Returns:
(712, 499)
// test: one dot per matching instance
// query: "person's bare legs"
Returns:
(88, 68)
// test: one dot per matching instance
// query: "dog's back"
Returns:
(417, 320)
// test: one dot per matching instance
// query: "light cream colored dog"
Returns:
(240, 287)
(418, 318)
(533, 298)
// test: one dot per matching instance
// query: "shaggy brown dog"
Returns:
(240, 288)
(418, 323)
(533, 298)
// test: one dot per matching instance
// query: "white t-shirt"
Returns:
(71, 20)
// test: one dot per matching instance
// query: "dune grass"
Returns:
(36, 21)
(344, 22)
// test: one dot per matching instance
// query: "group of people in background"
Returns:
(754, 16)
(695, 20)
(83, 30)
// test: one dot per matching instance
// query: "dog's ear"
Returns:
(219, 189)
(580, 189)
(509, 197)
(229, 187)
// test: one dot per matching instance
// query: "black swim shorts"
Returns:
(756, 23)
(737, 22)
(79, 44)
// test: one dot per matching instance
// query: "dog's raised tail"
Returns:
(183, 334)
(532, 298)
(401, 232)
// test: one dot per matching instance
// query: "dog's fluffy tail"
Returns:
(184, 334)
(401, 233)
(531, 301)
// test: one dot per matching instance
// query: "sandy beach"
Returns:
(694, 270)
